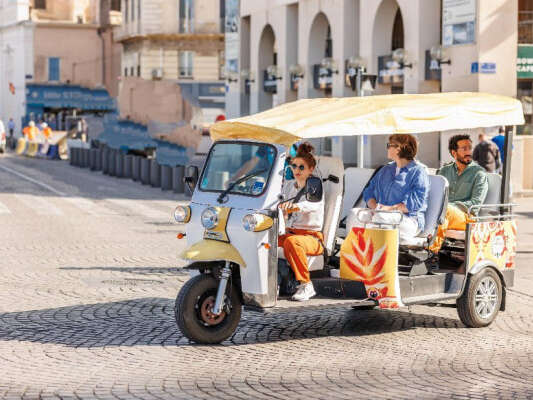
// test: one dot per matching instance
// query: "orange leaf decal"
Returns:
(366, 263)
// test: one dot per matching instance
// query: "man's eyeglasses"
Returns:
(296, 166)
(465, 148)
(389, 145)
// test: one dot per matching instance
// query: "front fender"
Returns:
(212, 250)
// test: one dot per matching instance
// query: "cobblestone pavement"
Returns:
(88, 277)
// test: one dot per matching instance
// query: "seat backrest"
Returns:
(333, 193)
(437, 203)
(495, 186)
(357, 179)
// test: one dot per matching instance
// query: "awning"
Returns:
(373, 115)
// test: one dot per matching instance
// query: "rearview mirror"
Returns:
(191, 177)
(313, 189)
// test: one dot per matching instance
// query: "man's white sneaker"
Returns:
(304, 292)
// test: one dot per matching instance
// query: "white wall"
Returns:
(16, 58)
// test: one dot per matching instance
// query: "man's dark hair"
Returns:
(501, 130)
(454, 140)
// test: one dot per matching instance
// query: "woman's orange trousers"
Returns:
(297, 245)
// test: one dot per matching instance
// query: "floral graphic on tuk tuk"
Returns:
(370, 256)
(494, 241)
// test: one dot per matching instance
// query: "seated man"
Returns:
(468, 187)
(400, 186)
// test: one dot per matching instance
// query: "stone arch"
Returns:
(388, 22)
(265, 57)
(319, 47)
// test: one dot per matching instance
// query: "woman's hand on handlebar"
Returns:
(288, 207)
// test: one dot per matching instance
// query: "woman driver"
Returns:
(402, 185)
(304, 222)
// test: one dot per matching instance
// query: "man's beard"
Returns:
(463, 161)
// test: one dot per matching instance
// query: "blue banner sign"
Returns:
(68, 96)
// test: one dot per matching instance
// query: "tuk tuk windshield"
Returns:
(249, 163)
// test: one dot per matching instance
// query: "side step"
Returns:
(428, 298)
(316, 303)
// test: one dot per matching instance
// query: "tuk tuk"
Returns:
(232, 222)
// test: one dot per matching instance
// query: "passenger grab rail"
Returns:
(377, 212)
(501, 212)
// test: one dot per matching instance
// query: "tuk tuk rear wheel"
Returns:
(192, 310)
(481, 300)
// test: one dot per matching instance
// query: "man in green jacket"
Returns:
(468, 186)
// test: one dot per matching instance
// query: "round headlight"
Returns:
(257, 222)
(209, 218)
(249, 222)
(182, 214)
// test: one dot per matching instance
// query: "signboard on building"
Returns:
(483, 68)
(231, 38)
(270, 83)
(524, 61)
(458, 22)
(432, 68)
(322, 77)
(389, 71)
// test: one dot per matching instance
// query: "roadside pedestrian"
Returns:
(30, 132)
(11, 127)
(487, 154)
(499, 139)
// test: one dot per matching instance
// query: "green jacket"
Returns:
(468, 189)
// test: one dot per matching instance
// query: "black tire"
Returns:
(466, 304)
(190, 317)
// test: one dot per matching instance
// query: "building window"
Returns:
(132, 71)
(125, 71)
(126, 10)
(40, 4)
(53, 69)
(138, 70)
(222, 16)
(185, 64)
(186, 16)
(115, 5)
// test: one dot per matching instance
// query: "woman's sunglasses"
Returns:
(296, 166)
(389, 145)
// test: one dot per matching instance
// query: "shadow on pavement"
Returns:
(133, 270)
(150, 321)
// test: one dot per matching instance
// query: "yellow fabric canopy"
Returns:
(373, 115)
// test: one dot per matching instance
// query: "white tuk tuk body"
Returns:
(380, 267)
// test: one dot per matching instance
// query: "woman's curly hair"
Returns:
(305, 151)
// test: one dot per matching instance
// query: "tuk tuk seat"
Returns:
(333, 193)
(435, 213)
(493, 197)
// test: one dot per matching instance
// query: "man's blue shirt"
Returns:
(500, 141)
(410, 187)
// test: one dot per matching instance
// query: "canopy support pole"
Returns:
(506, 173)
(360, 151)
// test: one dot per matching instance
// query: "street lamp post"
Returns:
(356, 67)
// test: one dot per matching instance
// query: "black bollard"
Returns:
(155, 174)
(136, 168)
(128, 162)
(119, 164)
(145, 171)
(111, 162)
(166, 177)
(178, 173)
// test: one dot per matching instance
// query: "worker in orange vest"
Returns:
(47, 131)
(30, 132)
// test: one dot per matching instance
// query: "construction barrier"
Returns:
(178, 173)
(166, 177)
(21, 146)
(145, 170)
(155, 174)
(33, 149)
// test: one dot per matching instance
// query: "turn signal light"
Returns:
(267, 246)
(181, 235)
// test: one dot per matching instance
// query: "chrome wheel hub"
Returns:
(486, 297)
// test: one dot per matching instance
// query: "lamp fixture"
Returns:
(329, 63)
(296, 71)
(401, 57)
(232, 76)
(248, 75)
(440, 54)
(274, 72)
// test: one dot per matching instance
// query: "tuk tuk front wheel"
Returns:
(193, 311)
(481, 300)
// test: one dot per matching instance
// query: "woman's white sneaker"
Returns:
(304, 292)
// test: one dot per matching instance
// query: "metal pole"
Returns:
(506, 173)
(360, 138)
